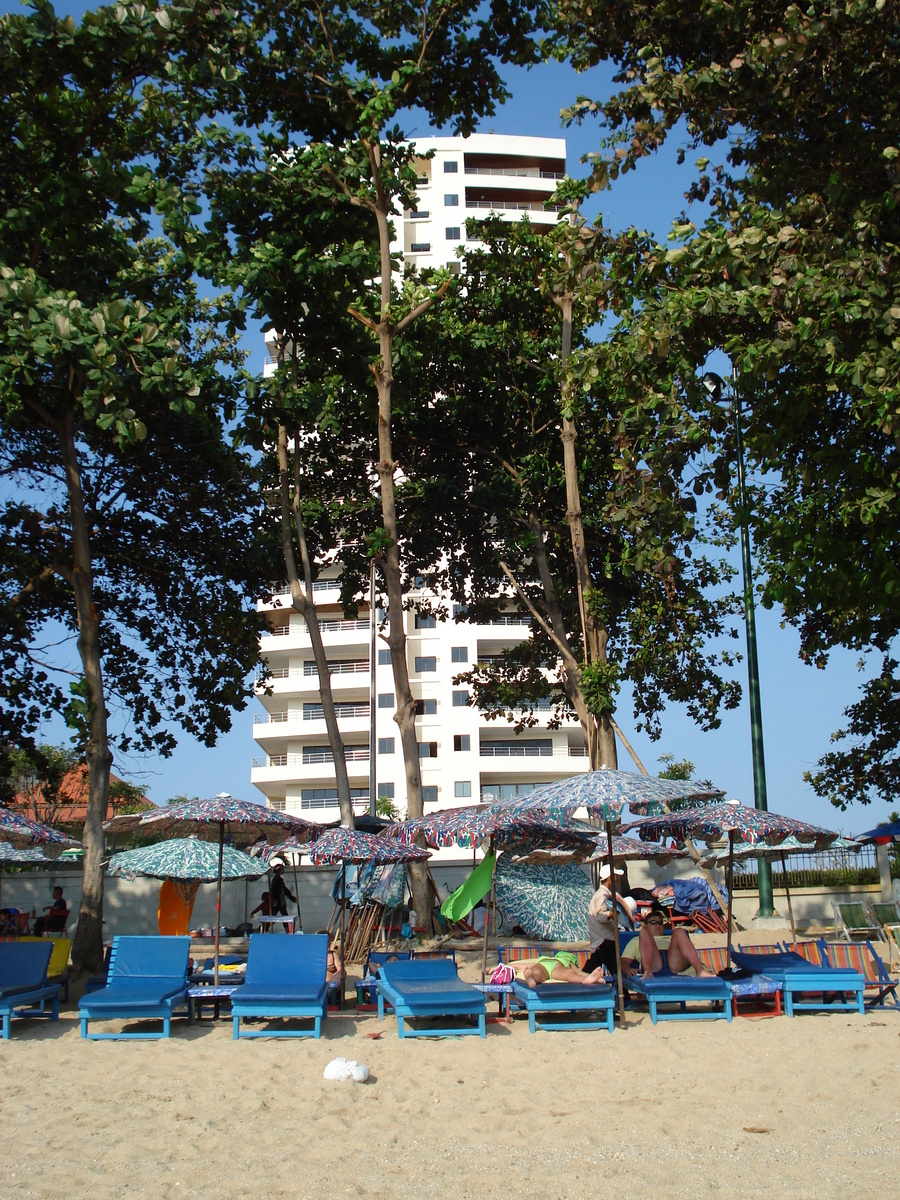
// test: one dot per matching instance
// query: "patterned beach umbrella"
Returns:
(187, 859)
(549, 902)
(632, 849)
(605, 794)
(790, 845)
(737, 822)
(345, 845)
(211, 820)
(23, 833)
(31, 856)
(469, 826)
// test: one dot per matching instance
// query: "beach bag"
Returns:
(503, 974)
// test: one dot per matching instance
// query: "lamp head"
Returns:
(714, 385)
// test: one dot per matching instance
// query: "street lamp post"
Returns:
(715, 387)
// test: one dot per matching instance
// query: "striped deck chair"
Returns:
(855, 920)
(812, 951)
(862, 957)
(759, 988)
(451, 954)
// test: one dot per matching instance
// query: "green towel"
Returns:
(475, 888)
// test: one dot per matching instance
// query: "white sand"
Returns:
(796, 1108)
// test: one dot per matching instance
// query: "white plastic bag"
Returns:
(340, 1068)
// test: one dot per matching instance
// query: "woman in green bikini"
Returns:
(560, 967)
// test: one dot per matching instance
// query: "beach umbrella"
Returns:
(547, 901)
(24, 834)
(790, 845)
(882, 835)
(740, 824)
(184, 858)
(186, 861)
(211, 820)
(27, 856)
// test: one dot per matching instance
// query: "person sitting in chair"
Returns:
(334, 969)
(561, 967)
(652, 952)
(57, 916)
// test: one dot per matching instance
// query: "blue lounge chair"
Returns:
(570, 998)
(285, 978)
(24, 990)
(147, 980)
(804, 981)
(682, 990)
(430, 987)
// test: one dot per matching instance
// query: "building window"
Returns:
(385, 745)
(425, 664)
(429, 795)
(384, 658)
(460, 610)
(420, 248)
(327, 797)
(427, 749)
(386, 790)
(451, 200)
(451, 168)
(452, 233)
(462, 741)
(385, 699)
(459, 654)
(460, 699)
(462, 790)
(419, 216)
(425, 621)
(426, 708)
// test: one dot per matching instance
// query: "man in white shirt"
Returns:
(603, 924)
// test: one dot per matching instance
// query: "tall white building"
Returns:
(464, 758)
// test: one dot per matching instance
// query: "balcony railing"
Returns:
(278, 587)
(272, 718)
(516, 172)
(341, 667)
(315, 712)
(532, 749)
(351, 754)
(504, 205)
(324, 754)
(343, 626)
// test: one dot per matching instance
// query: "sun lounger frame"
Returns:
(806, 979)
(32, 998)
(596, 998)
(95, 1006)
(313, 948)
(433, 971)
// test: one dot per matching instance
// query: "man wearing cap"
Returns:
(278, 890)
(603, 925)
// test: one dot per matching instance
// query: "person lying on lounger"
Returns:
(560, 967)
(644, 954)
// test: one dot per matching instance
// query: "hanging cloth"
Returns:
(176, 903)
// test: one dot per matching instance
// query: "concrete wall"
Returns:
(130, 907)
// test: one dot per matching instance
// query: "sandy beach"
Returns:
(805, 1107)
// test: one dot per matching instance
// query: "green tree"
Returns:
(621, 594)
(365, 69)
(129, 519)
(794, 113)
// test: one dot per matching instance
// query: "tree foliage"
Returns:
(793, 273)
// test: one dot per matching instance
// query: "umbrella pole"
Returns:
(343, 950)
(787, 893)
(487, 914)
(219, 900)
(615, 908)
(730, 893)
(297, 891)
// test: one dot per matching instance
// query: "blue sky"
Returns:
(801, 705)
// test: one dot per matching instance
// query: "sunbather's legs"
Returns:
(682, 954)
(534, 974)
(651, 955)
(573, 975)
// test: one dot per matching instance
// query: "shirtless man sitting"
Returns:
(644, 954)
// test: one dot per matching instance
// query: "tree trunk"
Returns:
(87, 948)
(302, 600)
(405, 710)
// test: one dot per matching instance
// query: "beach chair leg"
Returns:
(400, 1029)
(235, 1028)
(482, 1031)
(6, 1023)
(653, 1014)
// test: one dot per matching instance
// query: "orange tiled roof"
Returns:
(71, 805)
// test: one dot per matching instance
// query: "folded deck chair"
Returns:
(887, 914)
(430, 987)
(24, 989)
(285, 978)
(682, 990)
(863, 957)
(855, 920)
(804, 980)
(147, 979)
(754, 987)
